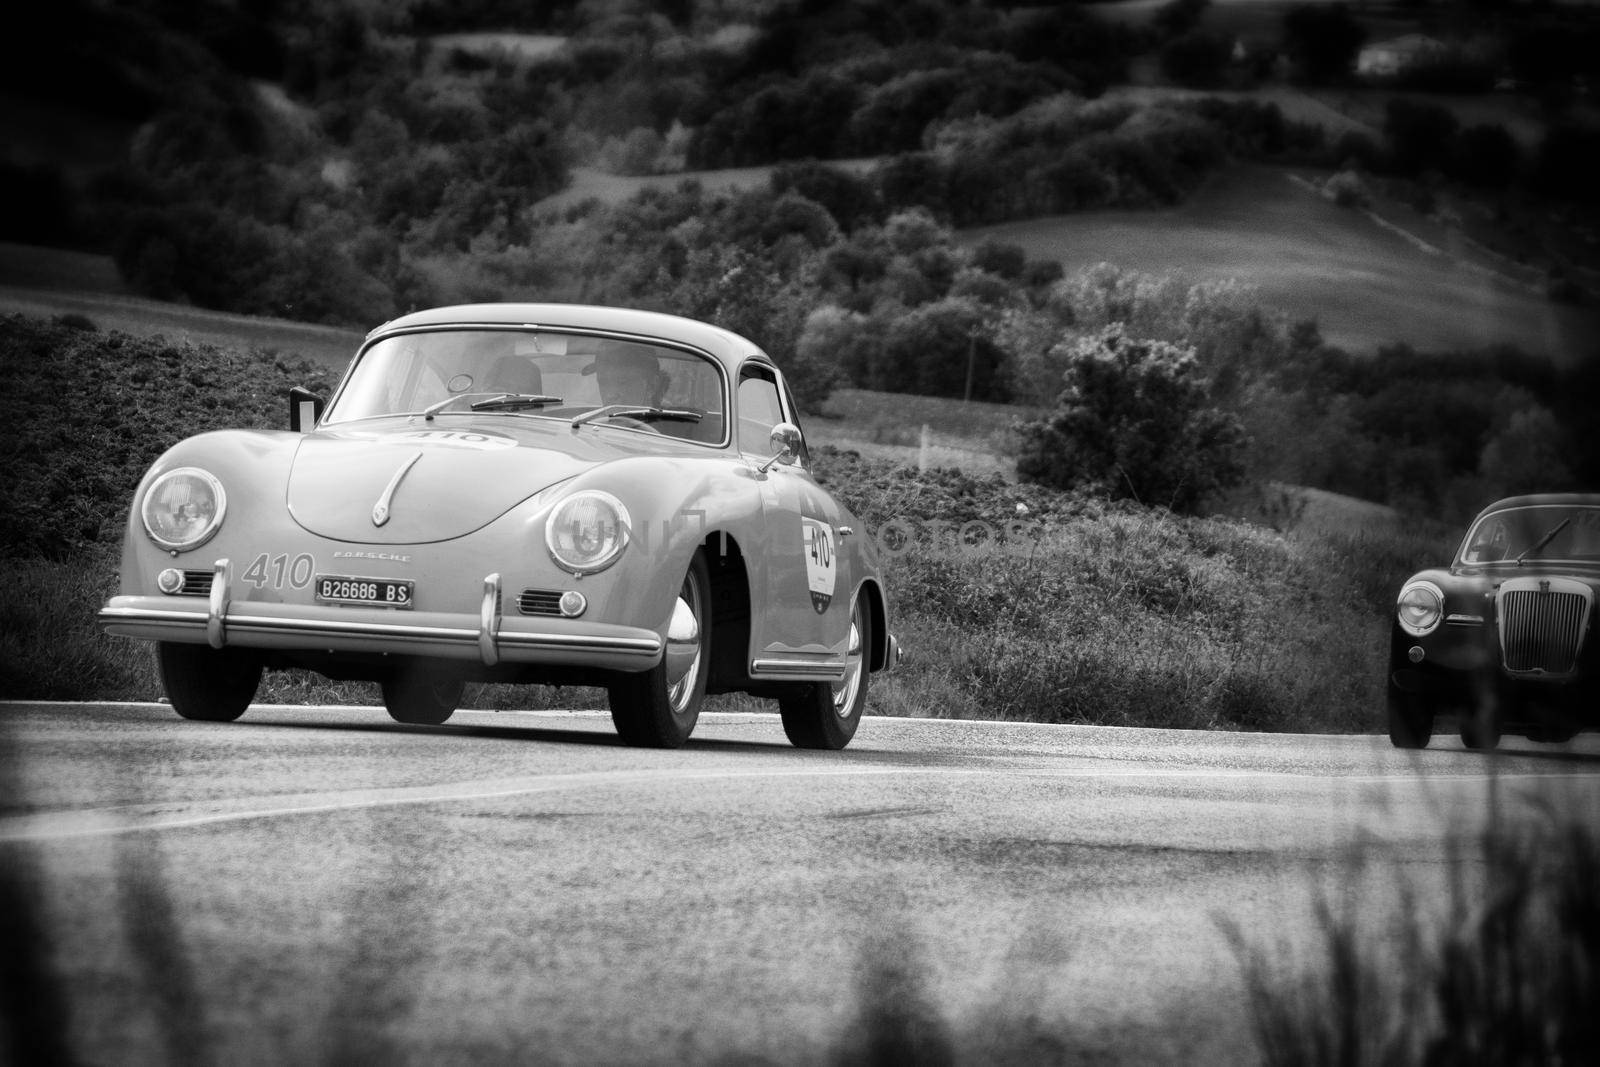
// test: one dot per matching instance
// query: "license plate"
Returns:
(371, 592)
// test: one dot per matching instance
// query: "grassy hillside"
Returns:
(46, 282)
(921, 431)
(1366, 283)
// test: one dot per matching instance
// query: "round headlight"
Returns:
(587, 531)
(183, 508)
(1420, 607)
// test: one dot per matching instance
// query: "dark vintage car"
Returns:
(1502, 639)
(523, 493)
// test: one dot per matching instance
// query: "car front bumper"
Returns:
(489, 637)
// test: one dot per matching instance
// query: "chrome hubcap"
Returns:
(683, 647)
(844, 690)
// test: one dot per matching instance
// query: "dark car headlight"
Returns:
(183, 508)
(1420, 608)
(587, 531)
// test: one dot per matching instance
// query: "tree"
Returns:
(844, 340)
(1322, 40)
(1177, 17)
(1420, 136)
(735, 289)
(940, 349)
(1487, 156)
(1198, 59)
(851, 199)
(1528, 456)
(1563, 162)
(1133, 421)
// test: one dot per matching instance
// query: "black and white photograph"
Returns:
(800, 532)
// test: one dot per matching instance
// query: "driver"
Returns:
(627, 374)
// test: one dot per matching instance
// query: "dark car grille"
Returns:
(1541, 631)
(539, 602)
(196, 583)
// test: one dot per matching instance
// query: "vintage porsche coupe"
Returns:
(525, 493)
(1503, 638)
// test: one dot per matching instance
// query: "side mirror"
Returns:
(305, 410)
(786, 439)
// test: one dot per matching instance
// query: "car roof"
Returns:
(726, 345)
(1543, 499)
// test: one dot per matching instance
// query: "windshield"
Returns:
(1538, 533)
(441, 374)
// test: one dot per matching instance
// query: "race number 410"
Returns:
(276, 571)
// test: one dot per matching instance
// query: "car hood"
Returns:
(1494, 576)
(406, 482)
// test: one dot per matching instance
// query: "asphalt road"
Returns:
(315, 885)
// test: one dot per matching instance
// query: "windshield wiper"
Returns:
(496, 402)
(512, 401)
(429, 411)
(642, 413)
(1546, 539)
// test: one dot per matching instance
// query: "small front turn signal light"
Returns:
(170, 581)
(573, 603)
(1416, 654)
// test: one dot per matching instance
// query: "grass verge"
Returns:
(1504, 970)
(1014, 602)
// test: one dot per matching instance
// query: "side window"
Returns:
(1490, 542)
(759, 410)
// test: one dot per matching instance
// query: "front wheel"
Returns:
(826, 714)
(208, 684)
(419, 694)
(658, 708)
(1410, 719)
(1480, 728)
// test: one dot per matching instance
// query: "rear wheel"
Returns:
(658, 708)
(421, 694)
(208, 684)
(1410, 718)
(826, 714)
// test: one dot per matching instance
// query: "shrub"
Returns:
(852, 200)
(219, 258)
(940, 349)
(1355, 150)
(796, 119)
(1561, 166)
(1420, 136)
(1322, 40)
(1198, 58)
(894, 115)
(1346, 189)
(36, 205)
(115, 403)
(1133, 421)
(1177, 17)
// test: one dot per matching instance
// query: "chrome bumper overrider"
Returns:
(488, 636)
